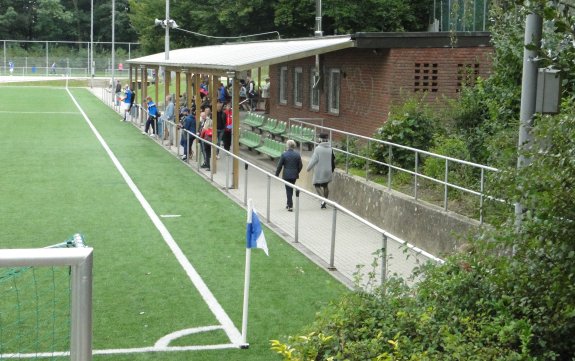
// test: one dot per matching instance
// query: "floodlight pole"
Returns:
(91, 56)
(113, 42)
(167, 37)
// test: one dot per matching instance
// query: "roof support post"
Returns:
(235, 129)
(213, 98)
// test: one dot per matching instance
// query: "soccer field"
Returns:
(160, 233)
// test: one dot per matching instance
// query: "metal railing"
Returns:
(348, 138)
(338, 239)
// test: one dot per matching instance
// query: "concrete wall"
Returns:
(424, 225)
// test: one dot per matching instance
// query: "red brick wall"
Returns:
(372, 80)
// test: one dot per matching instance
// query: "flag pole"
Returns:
(247, 272)
(245, 344)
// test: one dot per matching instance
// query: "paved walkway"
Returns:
(333, 238)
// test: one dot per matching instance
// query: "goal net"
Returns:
(46, 302)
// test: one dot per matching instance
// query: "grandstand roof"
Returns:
(244, 56)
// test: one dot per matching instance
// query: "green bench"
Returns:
(279, 130)
(254, 120)
(302, 135)
(269, 125)
(250, 139)
(272, 148)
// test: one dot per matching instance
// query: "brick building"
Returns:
(355, 86)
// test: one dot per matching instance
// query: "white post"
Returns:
(246, 299)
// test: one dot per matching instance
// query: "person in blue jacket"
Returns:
(152, 116)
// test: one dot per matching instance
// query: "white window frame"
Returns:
(334, 91)
(313, 93)
(298, 86)
(283, 85)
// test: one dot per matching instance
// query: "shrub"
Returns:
(411, 124)
(454, 147)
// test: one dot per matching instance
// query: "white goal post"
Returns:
(80, 262)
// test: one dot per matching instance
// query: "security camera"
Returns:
(159, 22)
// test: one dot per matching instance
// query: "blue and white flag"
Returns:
(254, 234)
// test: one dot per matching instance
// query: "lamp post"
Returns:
(166, 24)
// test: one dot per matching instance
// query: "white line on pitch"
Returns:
(221, 315)
(19, 112)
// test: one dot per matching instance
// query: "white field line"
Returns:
(19, 112)
(227, 324)
(162, 345)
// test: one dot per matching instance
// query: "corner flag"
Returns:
(254, 239)
(254, 234)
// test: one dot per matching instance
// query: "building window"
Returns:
(283, 85)
(334, 90)
(314, 91)
(298, 87)
(425, 77)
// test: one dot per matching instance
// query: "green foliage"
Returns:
(454, 147)
(351, 146)
(507, 295)
(411, 123)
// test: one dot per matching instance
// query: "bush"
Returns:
(411, 124)
(459, 174)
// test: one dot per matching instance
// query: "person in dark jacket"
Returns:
(290, 161)
(187, 139)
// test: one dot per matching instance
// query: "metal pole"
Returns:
(445, 185)
(246, 184)
(533, 31)
(91, 56)
(167, 37)
(416, 170)
(331, 266)
(113, 43)
(384, 259)
(296, 240)
(47, 65)
(268, 197)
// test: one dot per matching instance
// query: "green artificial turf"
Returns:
(56, 180)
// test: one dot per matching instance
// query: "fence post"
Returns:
(416, 170)
(389, 159)
(296, 216)
(446, 180)
(268, 186)
(383, 259)
(246, 184)
(331, 266)
(481, 197)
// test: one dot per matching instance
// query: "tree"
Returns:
(52, 20)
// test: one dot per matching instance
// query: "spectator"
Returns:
(266, 95)
(252, 95)
(127, 101)
(118, 92)
(187, 140)
(11, 65)
(207, 134)
(53, 68)
(152, 116)
(222, 93)
(323, 160)
(229, 125)
(168, 116)
(243, 95)
(221, 126)
(290, 161)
